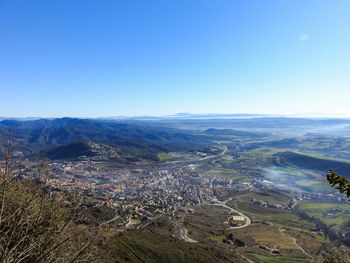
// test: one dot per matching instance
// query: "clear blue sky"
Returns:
(108, 58)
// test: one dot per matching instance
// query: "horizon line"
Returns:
(186, 115)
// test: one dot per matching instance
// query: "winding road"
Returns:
(130, 222)
(224, 204)
(295, 242)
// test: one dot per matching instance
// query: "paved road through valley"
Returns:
(224, 204)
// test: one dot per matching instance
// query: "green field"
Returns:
(318, 210)
(277, 259)
(222, 171)
(227, 159)
(283, 217)
(218, 239)
(315, 185)
(165, 156)
(276, 197)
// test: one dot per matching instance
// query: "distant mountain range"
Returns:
(71, 137)
(186, 115)
(138, 139)
(146, 117)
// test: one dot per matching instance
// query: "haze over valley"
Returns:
(212, 182)
(174, 131)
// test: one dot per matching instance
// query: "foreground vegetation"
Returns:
(157, 244)
(35, 228)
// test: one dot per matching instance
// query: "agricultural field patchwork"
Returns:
(332, 214)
